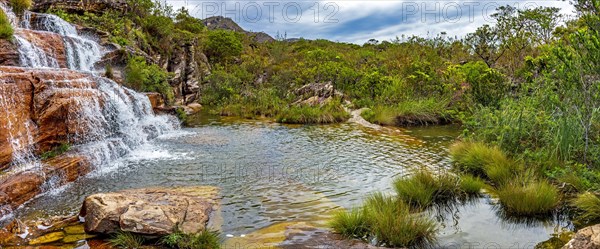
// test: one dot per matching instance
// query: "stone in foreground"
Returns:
(585, 238)
(151, 211)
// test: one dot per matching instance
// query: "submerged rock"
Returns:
(586, 238)
(151, 211)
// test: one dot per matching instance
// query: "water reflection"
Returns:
(272, 174)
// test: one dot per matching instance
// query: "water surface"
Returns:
(271, 173)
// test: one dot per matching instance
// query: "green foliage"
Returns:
(203, 240)
(351, 224)
(529, 198)
(589, 205)
(126, 240)
(148, 78)
(331, 112)
(393, 225)
(409, 113)
(19, 6)
(471, 185)
(223, 45)
(56, 151)
(423, 189)
(474, 158)
(487, 86)
(184, 21)
(6, 30)
(181, 115)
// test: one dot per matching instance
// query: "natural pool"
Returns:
(272, 174)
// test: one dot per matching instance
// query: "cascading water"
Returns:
(82, 52)
(106, 120)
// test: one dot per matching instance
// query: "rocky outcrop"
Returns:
(316, 93)
(80, 6)
(188, 67)
(586, 238)
(8, 53)
(151, 211)
(51, 43)
(38, 105)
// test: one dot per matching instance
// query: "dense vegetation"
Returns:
(526, 90)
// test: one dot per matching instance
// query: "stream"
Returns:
(271, 173)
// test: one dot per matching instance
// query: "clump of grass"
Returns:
(351, 224)
(409, 113)
(20, 5)
(126, 240)
(332, 112)
(473, 158)
(530, 198)
(589, 204)
(471, 185)
(6, 30)
(423, 189)
(393, 225)
(501, 170)
(203, 240)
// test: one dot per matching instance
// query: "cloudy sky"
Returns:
(358, 21)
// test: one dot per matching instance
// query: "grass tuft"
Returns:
(126, 240)
(471, 185)
(393, 225)
(351, 224)
(531, 198)
(19, 6)
(589, 204)
(409, 113)
(474, 158)
(203, 240)
(332, 112)
(423, 189)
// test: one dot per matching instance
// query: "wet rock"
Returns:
(52, 44)
(47, 238)
(8, 53)
(156, 100)
(19, 188)
(76, 237)
(150, 211)
(301, 236)
(586, 238)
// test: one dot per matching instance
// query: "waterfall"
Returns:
(33, 56)
(105, 120)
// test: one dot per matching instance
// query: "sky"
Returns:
(359, 21)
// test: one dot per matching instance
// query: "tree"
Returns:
(485, 43)
(184, 21)
(223, 45)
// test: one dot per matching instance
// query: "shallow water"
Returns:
(271, 173)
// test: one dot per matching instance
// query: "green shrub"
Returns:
(126, 240)
(332, 112)
(19, 6)
(471, 185)
(223, 45)
(6, 30)
(203, 240)
(502, 170)
(350, 224)
(393, 225)
(589, 204)
(148, 78)
(530, 198)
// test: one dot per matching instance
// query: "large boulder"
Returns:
(151, 211)
(586, 238)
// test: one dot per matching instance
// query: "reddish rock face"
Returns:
(8, 53)
(52, 44)
(19, 188)
(41, 109)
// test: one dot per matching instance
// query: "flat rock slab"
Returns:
(150, 211)
(586, 238)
